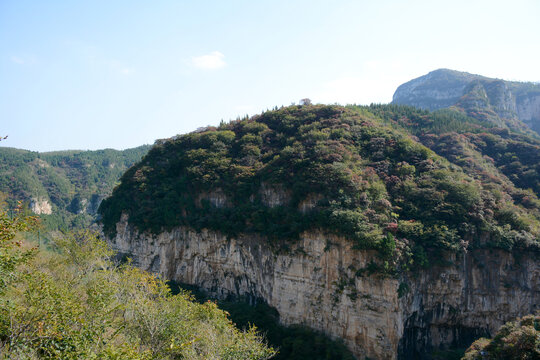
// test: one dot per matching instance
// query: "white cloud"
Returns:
(118, 66)
(127, 71)
(21, 60)
(17, 60)
(211, 61)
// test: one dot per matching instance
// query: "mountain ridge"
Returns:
(64, 187)
(506, 103)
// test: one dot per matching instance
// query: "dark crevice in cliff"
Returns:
(423, 337)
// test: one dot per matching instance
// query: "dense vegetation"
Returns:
(518, 339)
(360, 172)
(73, 183)
(481, 149)
(74, 303)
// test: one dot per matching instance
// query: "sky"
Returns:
(119, 74)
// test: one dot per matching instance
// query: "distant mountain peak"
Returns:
(506, 103)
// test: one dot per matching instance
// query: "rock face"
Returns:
(509, 100)
(216, 198)
(528, 110)
(40, 206)
(273, 196)
(81, 205)
(317, 284)
(438, 89)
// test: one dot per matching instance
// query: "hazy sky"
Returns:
(118, 74)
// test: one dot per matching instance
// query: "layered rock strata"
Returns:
(317, 283)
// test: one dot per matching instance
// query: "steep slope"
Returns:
(506, 103)
(439, 89)
(65, 187)
(494, 155)
(343, 221)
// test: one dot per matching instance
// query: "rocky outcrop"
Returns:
(216, 198)
(436, 90)
(510, 102)
(309, 203)
(317, 283)
(81, 205)
(95, 201)
(528, 110)
(273, 195)
(40, 206)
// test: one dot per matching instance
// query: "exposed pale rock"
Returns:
(216, 198)
(309, 203)
(95, 201)
(274, 195)
(40, 206)
(528, 109)
(443, 88)
(315, 284)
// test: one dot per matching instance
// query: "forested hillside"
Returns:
(412, 192)
(408, 183)
(64, 187)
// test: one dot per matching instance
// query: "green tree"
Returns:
(75, 303)
(518, 339)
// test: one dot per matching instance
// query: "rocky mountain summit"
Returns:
(506, 103)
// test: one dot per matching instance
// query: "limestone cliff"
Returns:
(316, 283)
(507, 103)
(528, 110)
(438, 89)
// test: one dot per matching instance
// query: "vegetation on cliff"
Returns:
(518, 339)
(360, 172)
(74, 303)
(491, 154)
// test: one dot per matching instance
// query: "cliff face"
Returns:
(528, 110)
(316, 284)
(436, 90)
(508, 102)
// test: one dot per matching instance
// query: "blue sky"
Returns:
(118, 74)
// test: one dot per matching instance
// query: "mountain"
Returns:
(64, 187)
(399, 230)
(506, 103)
